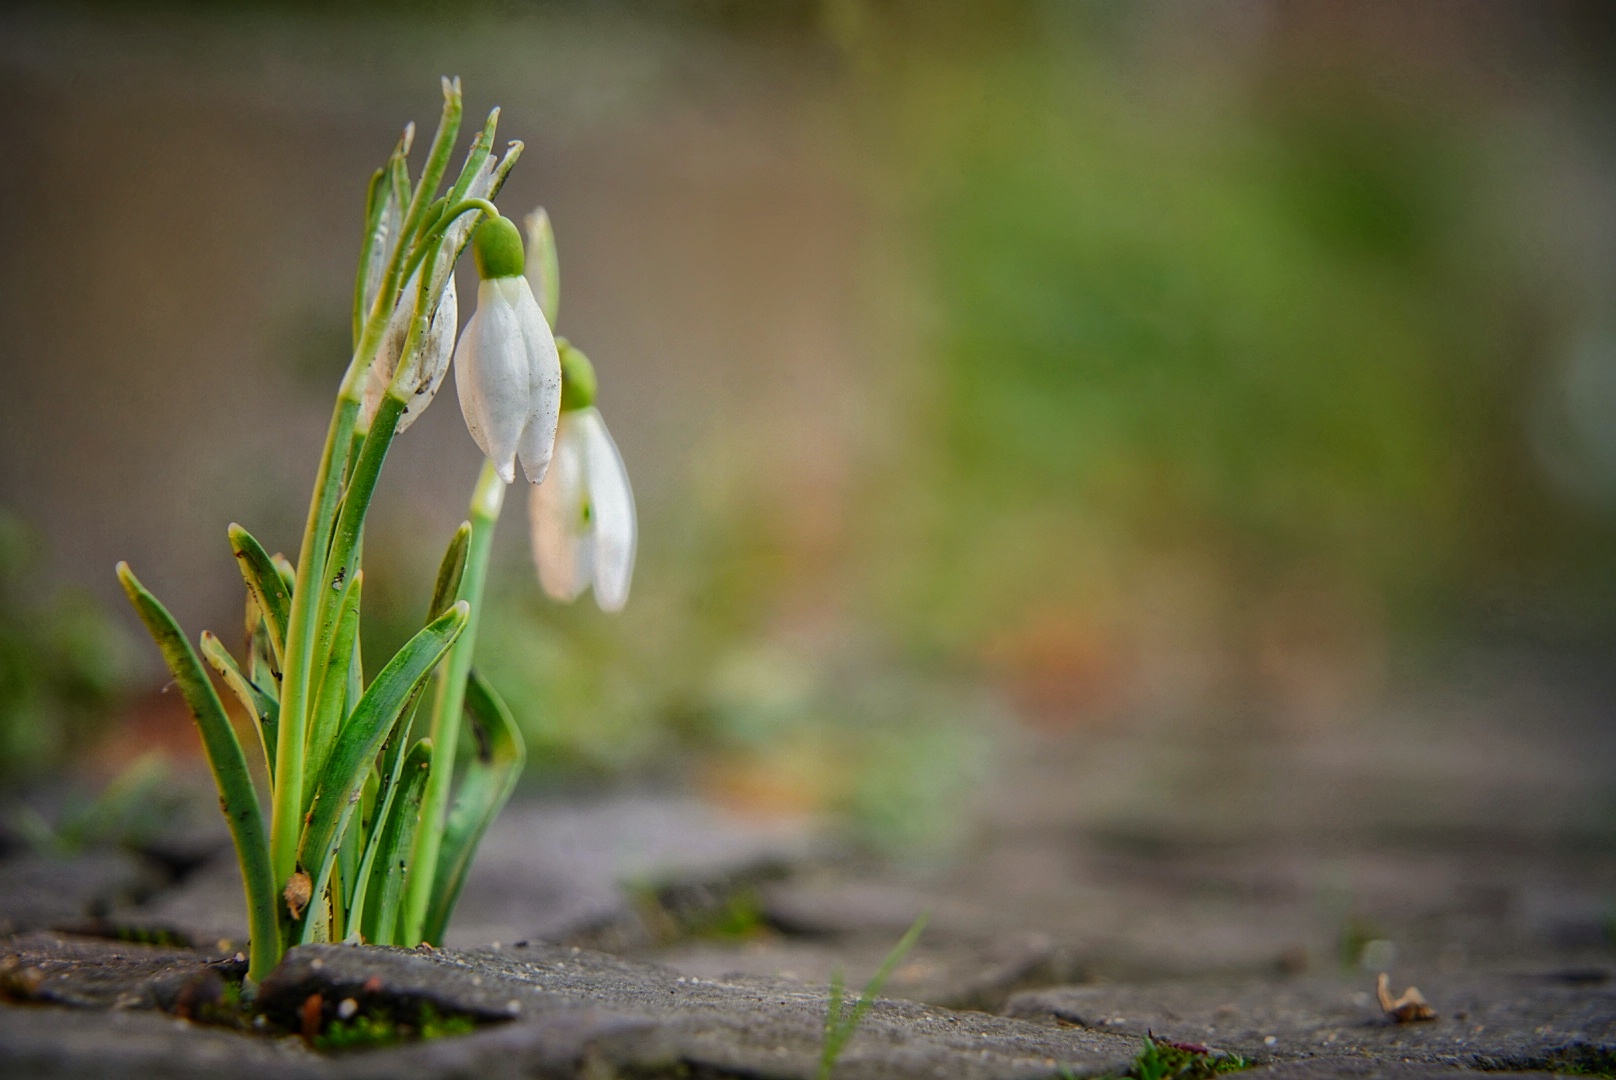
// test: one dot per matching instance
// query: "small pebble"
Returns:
(1269, 1040)
(347, 1008)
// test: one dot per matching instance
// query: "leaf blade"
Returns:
(237, 797)
(264, 581)
(378, 710)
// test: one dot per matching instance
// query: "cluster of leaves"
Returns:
(344, 853)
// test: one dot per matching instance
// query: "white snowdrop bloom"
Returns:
(583, 523)
(507, 371)
(425, 367)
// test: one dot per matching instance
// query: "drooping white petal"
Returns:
(425, 368)
(423, 371)
(544, 381)
(558, 515)
(491, 377)
(432, 364)
(611, 506)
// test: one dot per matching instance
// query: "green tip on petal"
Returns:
(577, 377)
(497, 247)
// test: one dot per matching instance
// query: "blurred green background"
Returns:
(986, 372)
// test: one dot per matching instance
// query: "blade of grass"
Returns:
(237, 799)
(839, 1028)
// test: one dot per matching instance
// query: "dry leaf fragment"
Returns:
(1411, 1006)
(299, 890)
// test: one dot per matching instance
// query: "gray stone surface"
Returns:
(1366, 1069)
(37, 892)
(556, 871)
(39, 1043)
(954, 973)
(635, 1016)
(1547, 1021)
(94, 973)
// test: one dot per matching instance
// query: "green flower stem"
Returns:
(448, 704)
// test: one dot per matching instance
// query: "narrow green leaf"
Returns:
(328, 703)
(337, 791)
(264, 709)
(261, 667)
(287, 571)
(237, 799)
(385, 775)
(488, 783)
(396, 839)
(264, 582)
(449, 572)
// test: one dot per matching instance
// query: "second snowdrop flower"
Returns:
(507, 370)
(584, 529)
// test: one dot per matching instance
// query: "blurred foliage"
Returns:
(62, 662)
(1236, 341)
(131, 811)
(1278, 333)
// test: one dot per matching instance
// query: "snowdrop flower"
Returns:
(583, 515)
(507, 371)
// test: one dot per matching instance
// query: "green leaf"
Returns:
(394, 841)
(385, 777)
(264, 709)
(264, 581)
(378, 711)
(328, 703)
(450, 571)
(488, 783)
(287, 571)
(237, 799)
(262, 670)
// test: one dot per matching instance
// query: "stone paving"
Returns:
(1101, 894)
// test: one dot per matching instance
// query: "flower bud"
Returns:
(577, 377)
(497, 248)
